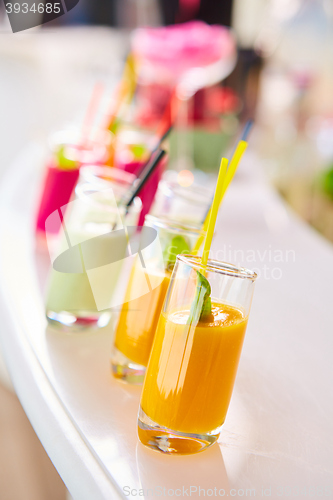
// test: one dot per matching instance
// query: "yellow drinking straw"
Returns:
(130, 76)
(237, 156)
(124, 92)
(212, 215)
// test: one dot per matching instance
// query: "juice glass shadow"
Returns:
(195, 354)
(142, 305)
(95, 224)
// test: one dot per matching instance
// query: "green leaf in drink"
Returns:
(178, 245)
(327, 182)
(201, 309)
(138, 150)
(114, 125)
(63, 162)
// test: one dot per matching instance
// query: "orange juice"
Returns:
(192, 369)
(139, 317)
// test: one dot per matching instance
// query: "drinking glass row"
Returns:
(179, 327)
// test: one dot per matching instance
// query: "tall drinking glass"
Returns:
(91, 249)
(139, 316)
(62, 170)
(195, 354)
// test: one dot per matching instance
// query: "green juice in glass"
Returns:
(71, 295)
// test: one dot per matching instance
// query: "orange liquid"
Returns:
(192, 370)
(139, 317)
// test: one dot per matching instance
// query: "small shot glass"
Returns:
(92, 237)
(195, 354)
(62, 170)
(145, 296)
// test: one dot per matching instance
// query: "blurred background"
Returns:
(281, 75)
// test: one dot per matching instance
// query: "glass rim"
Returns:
(131, 135)
(90, 173)
(80, 191)
(170, 186)
(71, 137)
(174, 225)
(219, 267)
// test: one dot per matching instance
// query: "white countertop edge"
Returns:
(81, 472)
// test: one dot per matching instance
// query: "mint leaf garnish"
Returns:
(138, 150)
(176, 246)
(206, 311)
(327, 182)
(63, 162)
(201, 309)
(114, 125)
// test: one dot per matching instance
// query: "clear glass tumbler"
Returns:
(195, 354)
(62, 170)
(145, 295)
(91, 248)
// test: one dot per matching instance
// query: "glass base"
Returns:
(72, 322)
(167, 440)
(126, 370)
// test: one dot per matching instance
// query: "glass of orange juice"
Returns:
(139, 316)
(195, 354)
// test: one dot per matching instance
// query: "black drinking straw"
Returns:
(145, 174)
(155, 148)
(162, 138)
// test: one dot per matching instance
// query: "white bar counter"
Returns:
(277, 439)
